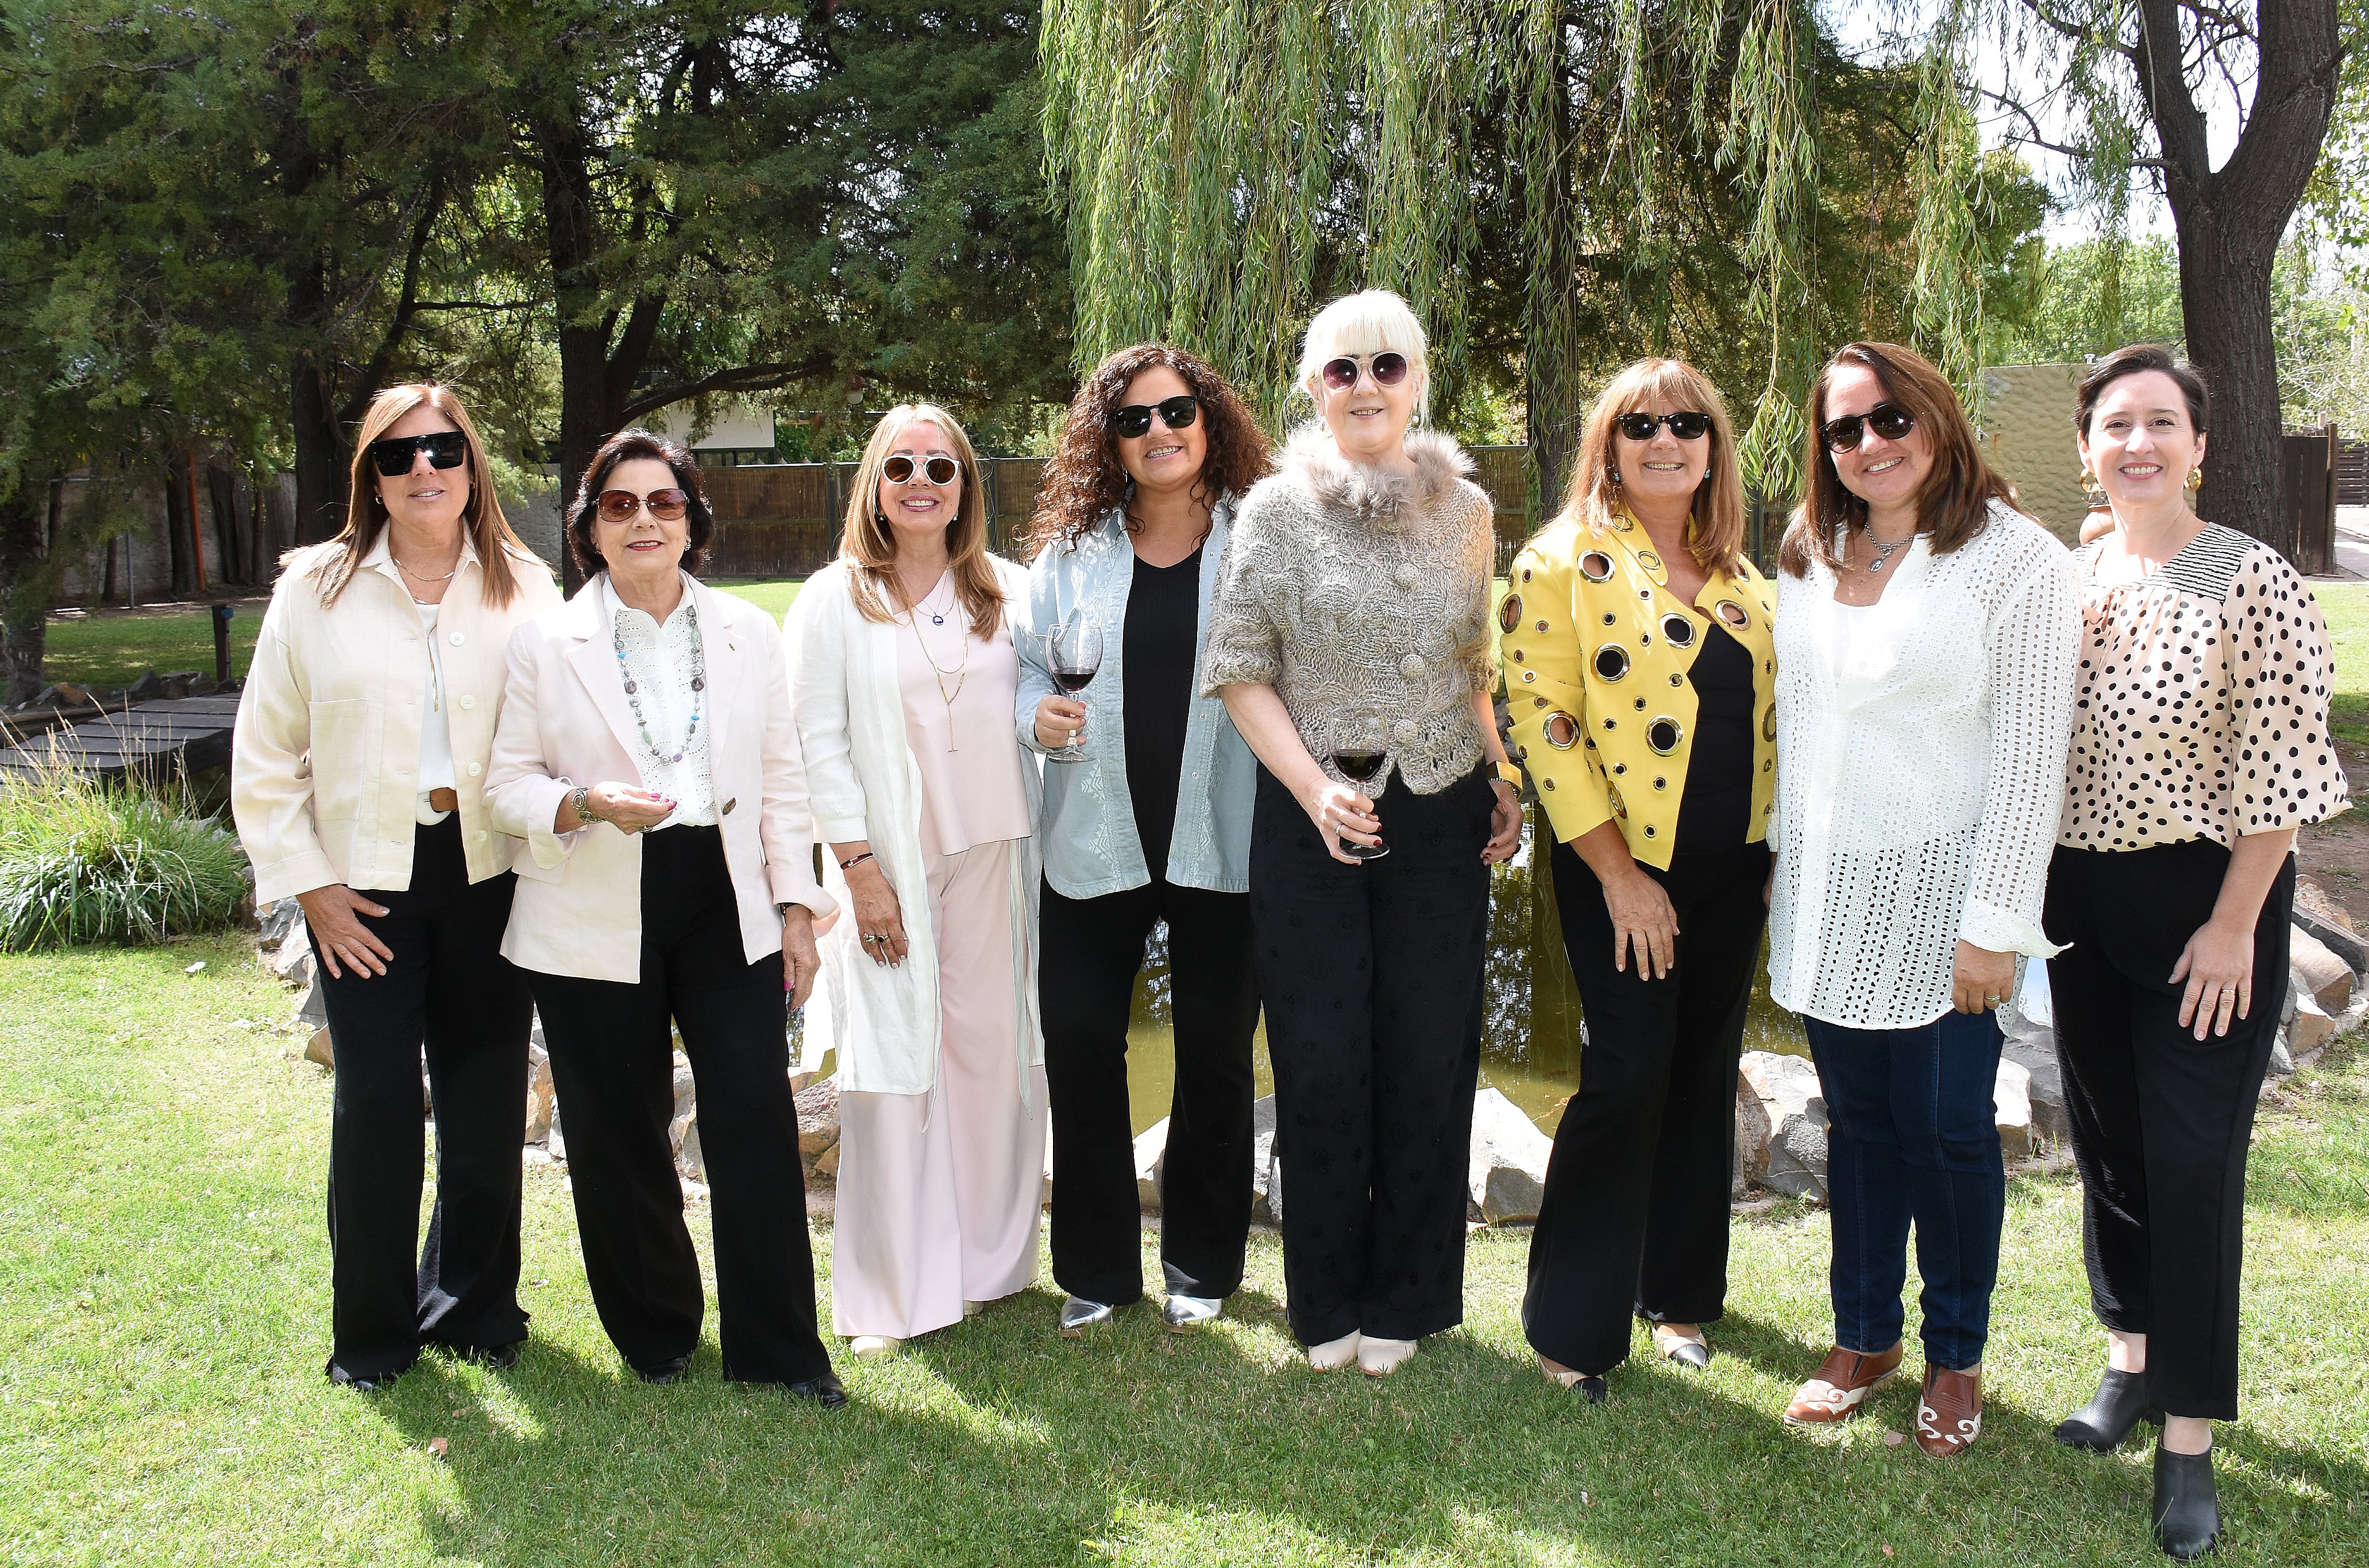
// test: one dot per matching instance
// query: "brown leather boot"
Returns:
(1950, 1417)
(1845, 1379)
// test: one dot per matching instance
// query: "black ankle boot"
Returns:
(2187, 1508)
(2119, 1404)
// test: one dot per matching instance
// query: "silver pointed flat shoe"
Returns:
(1184, 1313)
(1078, 1315)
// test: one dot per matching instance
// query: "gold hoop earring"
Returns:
(2195, 480)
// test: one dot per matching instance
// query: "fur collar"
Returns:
(1374, 496)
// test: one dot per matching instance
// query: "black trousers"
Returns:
(1091, 951)
(613, 1064)
(1634, 1220)
(1370, 976)
(448, 989)
(2161, 1120)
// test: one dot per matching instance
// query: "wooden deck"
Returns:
(178, 735)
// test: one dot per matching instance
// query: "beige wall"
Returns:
(2028, 436)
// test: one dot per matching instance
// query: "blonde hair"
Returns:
(868, 545)
(489, 531)
(1366, 323)
(1593, 497)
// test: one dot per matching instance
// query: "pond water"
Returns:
(1531, 1035)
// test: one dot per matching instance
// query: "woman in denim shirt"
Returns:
(1152, 824)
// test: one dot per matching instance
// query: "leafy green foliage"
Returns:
(84, 861)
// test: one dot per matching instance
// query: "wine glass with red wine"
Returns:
(1360, 746)
(1073, 653)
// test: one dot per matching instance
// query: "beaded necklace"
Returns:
(698, 686)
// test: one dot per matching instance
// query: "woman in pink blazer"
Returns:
(648, 757)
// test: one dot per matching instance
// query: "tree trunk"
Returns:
(177, 523)
(322, 476)
(24, 589)
(230, 542)
(2229, 221)
(586, 413)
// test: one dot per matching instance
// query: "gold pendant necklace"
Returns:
(961, 672)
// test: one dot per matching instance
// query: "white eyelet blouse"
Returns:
(1919, 771)
(2201, 708)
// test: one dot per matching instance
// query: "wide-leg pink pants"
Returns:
(940, 1193)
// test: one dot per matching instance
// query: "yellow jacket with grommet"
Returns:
(1596, 653)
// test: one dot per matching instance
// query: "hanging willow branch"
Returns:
(1226, 160)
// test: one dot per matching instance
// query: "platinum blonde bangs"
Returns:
(1366, 323)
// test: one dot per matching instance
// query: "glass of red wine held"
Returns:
(1359, 747)
(1074, 652)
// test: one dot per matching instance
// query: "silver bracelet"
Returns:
(583, 794)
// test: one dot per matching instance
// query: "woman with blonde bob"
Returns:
(1640, 667)
(904, 680)
(1924, 655)
(358, 783)
(1350, 643)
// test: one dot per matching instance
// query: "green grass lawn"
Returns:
(2346, 605)
(163, 1299)
(111, 650)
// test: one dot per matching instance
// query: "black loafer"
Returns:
(1592, 1390)
(500, 1358)
(2120, 1404)
(369, 1385)
(2187, 1506)
(824, 1390)
(665, 1372)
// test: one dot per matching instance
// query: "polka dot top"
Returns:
(2199, 702)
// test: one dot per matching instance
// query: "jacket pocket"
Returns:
(338, 747)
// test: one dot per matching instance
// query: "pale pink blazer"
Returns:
(565, 722)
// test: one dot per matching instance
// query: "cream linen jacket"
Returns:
(885, 1023)
(1920, 777)
(324, 761)
(579, 909)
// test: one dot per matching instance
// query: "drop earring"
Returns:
(2091, 490)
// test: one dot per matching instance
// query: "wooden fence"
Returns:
(777, 520)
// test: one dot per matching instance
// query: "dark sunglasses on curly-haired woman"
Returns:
(899, 470)
(394, 456)
(1135, 419)
(666, 505)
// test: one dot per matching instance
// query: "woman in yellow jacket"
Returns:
(1640, 667)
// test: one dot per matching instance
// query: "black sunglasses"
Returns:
(1135, 419)
(396, 454)
(1390, 368)
(1886, 419)
(1686, 427)
(899, 470)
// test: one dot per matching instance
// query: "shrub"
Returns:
(82, 861)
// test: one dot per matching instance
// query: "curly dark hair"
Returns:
(623, 447)
(1086, 482)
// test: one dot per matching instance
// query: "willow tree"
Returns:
(1211, 150)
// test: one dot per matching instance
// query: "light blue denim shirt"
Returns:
(1088, 833)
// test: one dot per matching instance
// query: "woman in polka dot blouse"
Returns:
(2200, 745)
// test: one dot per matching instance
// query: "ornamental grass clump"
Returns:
(82, 860)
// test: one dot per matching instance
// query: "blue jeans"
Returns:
(1912, 1134)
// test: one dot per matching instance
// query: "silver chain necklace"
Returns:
(1883, 552)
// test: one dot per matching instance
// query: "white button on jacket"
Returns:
(566, 721)
(328, 743)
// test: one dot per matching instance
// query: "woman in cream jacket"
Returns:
(904, 680)
(358, 783)
(648, 758)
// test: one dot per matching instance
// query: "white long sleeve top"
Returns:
(326, 761)
(1920, 772)
(886, 1023)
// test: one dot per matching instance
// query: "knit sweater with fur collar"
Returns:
(1351, 589)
